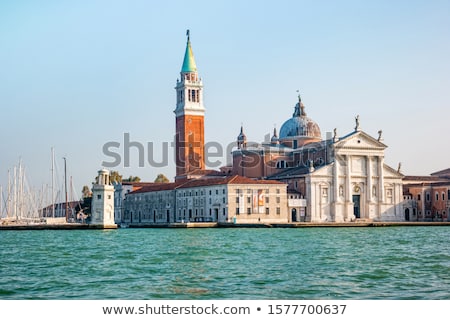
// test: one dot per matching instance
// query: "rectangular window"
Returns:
(237, 199)
(249, 200)
(278, 191)
(278, 199)
(418, 197)
(267, 199)
(99, 196)
(278, 210)
(237, 210)
(249, 210)
(267, 211)
(223, 211)
(109, 196)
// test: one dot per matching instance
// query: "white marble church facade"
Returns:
(340, 179)
(357, 184)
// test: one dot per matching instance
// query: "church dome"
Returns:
(300, 125)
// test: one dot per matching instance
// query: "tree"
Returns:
(86, 192)
(161, 179)
(115, 176)
(132, 179)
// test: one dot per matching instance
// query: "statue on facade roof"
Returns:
(357, 122)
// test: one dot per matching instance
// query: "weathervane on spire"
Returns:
(187, 34)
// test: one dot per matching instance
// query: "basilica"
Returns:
(342, 178)
(297, 176)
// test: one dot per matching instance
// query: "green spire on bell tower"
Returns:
(189, 61)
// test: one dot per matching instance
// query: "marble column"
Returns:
(369, 178)
(348, 190)
(380, 179)
(335, 197)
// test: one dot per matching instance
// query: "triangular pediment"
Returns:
(359, 140)
(389, 172)
(326, 170)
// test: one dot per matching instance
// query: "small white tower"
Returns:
(102, 207)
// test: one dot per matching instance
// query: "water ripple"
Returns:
(341, 263)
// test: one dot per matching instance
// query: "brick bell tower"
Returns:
(189, 115)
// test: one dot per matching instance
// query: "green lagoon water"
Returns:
(254, 263)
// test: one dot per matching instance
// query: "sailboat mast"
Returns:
(65, 189)
(53, 187)
(20, 191)
(1, 202)
(15, 193)
(8, 200)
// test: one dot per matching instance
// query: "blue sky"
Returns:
(75, 75)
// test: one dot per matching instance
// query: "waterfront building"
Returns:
(222, 199)
(58, 210)
(121, 189)
(427, 198)
(102, 206)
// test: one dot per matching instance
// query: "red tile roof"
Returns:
(136, 184)
(151, 187)
(204, 183)
(225, 180)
